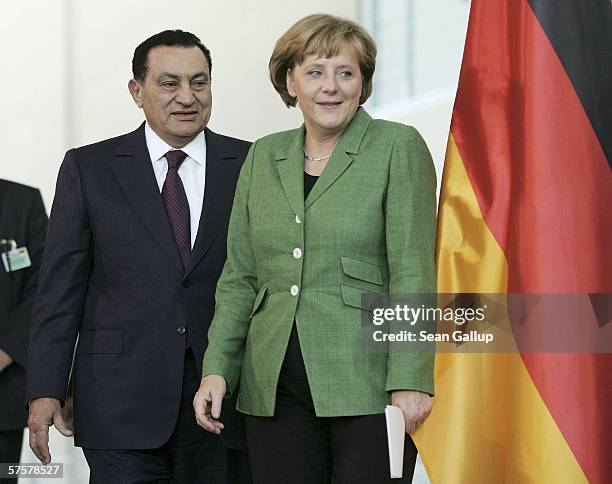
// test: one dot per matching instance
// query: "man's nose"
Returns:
(185, 95)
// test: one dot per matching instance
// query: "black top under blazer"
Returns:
(112, 275)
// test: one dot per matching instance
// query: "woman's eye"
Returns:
(346, 74)
(314, 73)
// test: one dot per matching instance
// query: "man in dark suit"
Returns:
(23, 223)
(136, 244)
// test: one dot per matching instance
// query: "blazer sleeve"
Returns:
(236, 290)
(14, 331)
(62, 287)
(410, 224)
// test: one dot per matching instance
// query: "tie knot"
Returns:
(175, 158)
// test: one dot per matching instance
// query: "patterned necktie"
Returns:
(176, 204)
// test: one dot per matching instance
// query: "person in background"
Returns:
(137, 241)
(342, 206)
(23, 224)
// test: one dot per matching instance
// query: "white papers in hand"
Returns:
(396, 435)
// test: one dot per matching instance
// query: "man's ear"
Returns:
(135, 89)
(290, 89)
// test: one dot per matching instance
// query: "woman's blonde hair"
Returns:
(323, 35)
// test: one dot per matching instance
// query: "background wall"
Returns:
(66, 64)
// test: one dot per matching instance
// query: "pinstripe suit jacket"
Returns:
(368, 225)
(112, 274)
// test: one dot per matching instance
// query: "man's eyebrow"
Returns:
(200, 74)
(177, 77)
(168, 74)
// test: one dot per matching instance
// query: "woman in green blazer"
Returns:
(342, 206)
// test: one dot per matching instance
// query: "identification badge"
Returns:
(16, 258)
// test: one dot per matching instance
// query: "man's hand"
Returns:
(207, 403)
(68, 411)
(415, 405)
(45, 412)
(5, 360)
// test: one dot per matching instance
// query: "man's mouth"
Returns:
(185, 115)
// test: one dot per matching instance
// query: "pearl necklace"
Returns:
(320, 158)
(316, 158)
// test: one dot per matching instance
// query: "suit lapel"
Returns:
(342, 156)
(221, 176)
(132, 168)
(291, 172)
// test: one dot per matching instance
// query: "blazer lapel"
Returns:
(291, 172)
(221, 177)
(341, 158)
(132, 168)
(337, 164)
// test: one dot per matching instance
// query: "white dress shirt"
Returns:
(192, 171)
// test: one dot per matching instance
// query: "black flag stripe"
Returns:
(581, 33)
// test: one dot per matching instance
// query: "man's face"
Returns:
(175, 93)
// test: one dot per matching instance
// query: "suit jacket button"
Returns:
(186, 283)
(180, 330)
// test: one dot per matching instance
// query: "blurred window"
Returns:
(420, 43)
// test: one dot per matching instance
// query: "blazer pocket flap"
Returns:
(352, 297)
(104, 341)
(362, 270)
(258, 300)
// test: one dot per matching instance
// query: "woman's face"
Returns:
(327, 91)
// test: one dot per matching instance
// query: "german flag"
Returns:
(526, 207)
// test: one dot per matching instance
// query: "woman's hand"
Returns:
(415, 405)
(207, 403)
